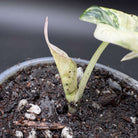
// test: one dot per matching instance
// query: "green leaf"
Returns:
(114, 26)
(129, 56)
(66, 66)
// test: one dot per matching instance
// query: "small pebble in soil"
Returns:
(50, 83)
(47, 134)
(67, 132)
(22, 104)
(114, 84)
(79, 73)
(19, 134)
(30, 116)
(95, 105)
(108, 97)
(32, 134)
(34, 109)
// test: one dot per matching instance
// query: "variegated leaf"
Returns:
(66, 66)
(114, 26)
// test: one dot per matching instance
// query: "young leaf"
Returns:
(129, 56)
(114, 26)
(66, 66)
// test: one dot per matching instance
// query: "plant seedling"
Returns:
(112, 27)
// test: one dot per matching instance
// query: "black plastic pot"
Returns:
(11, 71)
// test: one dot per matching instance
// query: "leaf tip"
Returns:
(123, 59)
(46, 29)
(46, 24)
(129, 56)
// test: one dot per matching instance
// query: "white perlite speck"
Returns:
(95, 105)
(57, 76)
(47, 134)
(67, 133)
(30, 116)
(50, 83)
(19, 134)
(106, 92)
(101, 115)
(97, 91)
(133, 119)
(32, 134)
(22, 104)
(34, 109)
(79, 74)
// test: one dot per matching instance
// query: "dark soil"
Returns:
(108, 107)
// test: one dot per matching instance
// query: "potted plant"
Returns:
(101, 103)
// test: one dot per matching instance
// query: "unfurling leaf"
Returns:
(129, 56)
(66, 66)
(114, 26)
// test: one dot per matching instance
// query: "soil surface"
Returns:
(108, 107)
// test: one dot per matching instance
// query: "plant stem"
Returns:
(88, 71)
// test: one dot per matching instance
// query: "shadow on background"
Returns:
(21, 31)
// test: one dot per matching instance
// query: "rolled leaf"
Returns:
(66, 66)
(129, 56)
(114, 26)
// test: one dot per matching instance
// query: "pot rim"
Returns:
(20, 66)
